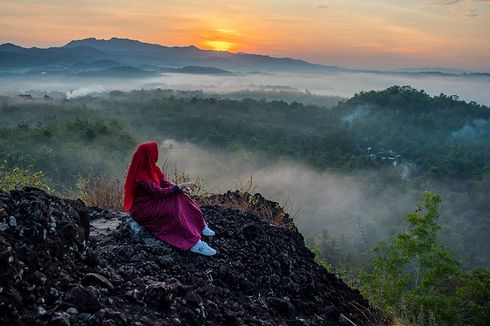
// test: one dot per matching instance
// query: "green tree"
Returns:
(415, 277)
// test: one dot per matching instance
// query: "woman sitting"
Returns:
(163, 208)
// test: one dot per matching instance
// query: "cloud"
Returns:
(326, 6)
(452, 2)
(464, 12)
(456, 6)
(441, 3)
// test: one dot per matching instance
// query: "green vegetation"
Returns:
(318, 259)
(66, 149)
(441, 136)
(11, 179)
(444, 137)
(415, 277)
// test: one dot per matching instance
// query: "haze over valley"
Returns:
(95, 66)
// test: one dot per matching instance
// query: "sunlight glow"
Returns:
(219, 45)
(221, 39)
(366, 34)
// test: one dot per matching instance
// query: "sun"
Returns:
(219, 45)
(221, 39)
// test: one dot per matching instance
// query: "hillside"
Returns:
(443, 136)
(133, 52)
(63, 263)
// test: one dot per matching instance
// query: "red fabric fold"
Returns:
(143, 167)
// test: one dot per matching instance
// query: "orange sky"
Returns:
(369, 34)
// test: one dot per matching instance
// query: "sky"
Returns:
(381, 34)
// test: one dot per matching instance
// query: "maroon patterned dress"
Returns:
(171, 216)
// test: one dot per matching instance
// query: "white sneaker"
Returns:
(203, 248)
(208, 232)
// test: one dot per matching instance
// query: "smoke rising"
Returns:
(476, 128)
(358, 112)
(86, 90)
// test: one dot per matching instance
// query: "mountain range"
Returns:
(89, 55)
(121, 57)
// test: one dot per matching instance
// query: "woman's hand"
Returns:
(186, 190)
(190, 185)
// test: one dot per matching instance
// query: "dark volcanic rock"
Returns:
(281, 306)
(109, 317)
(160, 295)
(97, 279)
(60, 320)
(85, 299)
(52, 272)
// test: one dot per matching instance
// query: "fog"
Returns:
(477, 127)
(358, 112)
(346, 84)
(360, 208)
(348, 205)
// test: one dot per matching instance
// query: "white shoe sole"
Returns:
(204, 253)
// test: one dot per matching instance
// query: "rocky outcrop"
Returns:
(248, 203)
(54, 269)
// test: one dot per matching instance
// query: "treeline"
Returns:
(442, 136)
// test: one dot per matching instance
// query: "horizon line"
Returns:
(366, 69)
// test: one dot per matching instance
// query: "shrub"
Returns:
(11, 179)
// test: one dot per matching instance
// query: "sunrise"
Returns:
(208, 163)
(221, 39)
(380, 34)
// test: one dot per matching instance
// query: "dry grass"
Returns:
(177, 177)
(269, 210)
(96, 190)
(422, 317)
(289, 207)
(250, 186)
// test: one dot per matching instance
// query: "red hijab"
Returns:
(143, 167)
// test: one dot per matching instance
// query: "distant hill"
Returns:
(202, 70)
(99, 64)
(135, 53)
(121, 72)
(13, 56)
